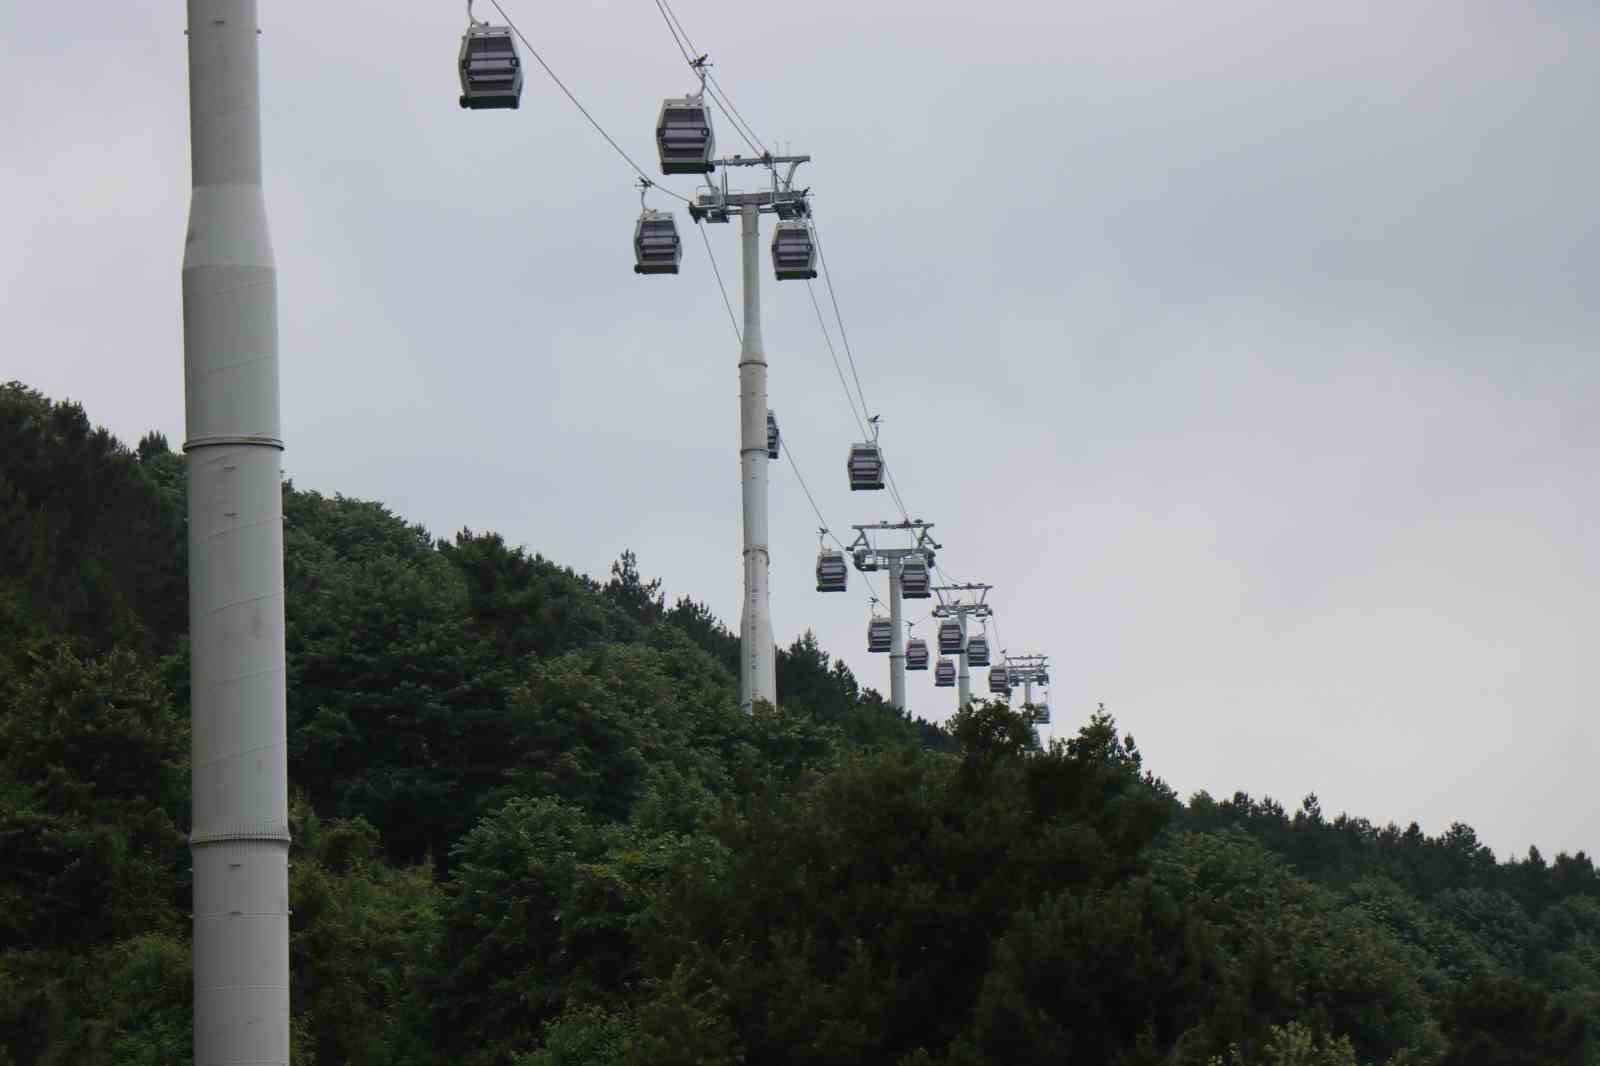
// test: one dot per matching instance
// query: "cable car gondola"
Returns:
(916, 654)
(794, 251)
(944, 674)
(866, 560)
(684, 137)
(656, 248)
(999, 683)
(914, 577)
(865, 466)
(978, 651)
(832, 573)
(880, 634)
(491, 73)
(950, 637)
(1042, 714)
(772, 435)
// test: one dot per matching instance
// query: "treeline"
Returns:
(533, 828)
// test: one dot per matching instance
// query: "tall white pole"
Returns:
(1027, 693)
(897, 645)
(963, 678)
(240, 814)
(758, 678)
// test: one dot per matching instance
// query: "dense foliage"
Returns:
(532, 828)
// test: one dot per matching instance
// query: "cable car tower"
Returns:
(908, 578)
(957, 603)
(1030, 670)
(687, 145)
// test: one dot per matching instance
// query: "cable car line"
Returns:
(576, 103)
(681, 41)
(837, 366)
(726, 102)
(732, 320)
(844, 337)
(894, 490)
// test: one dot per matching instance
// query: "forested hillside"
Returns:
(532, 828)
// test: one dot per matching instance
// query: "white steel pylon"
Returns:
(870, 557)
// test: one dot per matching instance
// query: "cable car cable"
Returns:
(844, 337)
(837, 366)
(733, 321)
(735, 117)
(682, 41)
(575, 103)
(894, 490)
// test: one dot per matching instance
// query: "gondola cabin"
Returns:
(656, 247)
(1042, 714)
(772, 435)
(914, 584)
(944, 674)
(684, 137)
(866, 561)
(978, 651)
(950, 637)
(491, 73)
(999, 683)
(880, 634)
(865, 466)
(916, 654)
(794, 251)
(832, 573)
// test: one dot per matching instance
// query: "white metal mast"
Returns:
(758, 675)
(897, 639)
(952, 606)
(893, 560)
(239, 838)
(963, 678)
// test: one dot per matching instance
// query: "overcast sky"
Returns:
(1247, 348)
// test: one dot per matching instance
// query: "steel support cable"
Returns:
(844, 337)
(735, 117)
(894, 490)
(717, 271)
(753, 144)
(682, 42)
(583, 110)
(837, 366)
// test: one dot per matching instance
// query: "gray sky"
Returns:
(1248, 348)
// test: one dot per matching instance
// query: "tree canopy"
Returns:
(533, 828)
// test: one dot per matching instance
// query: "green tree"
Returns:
(93, 787)
(1500, 1021)
(357, 939)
